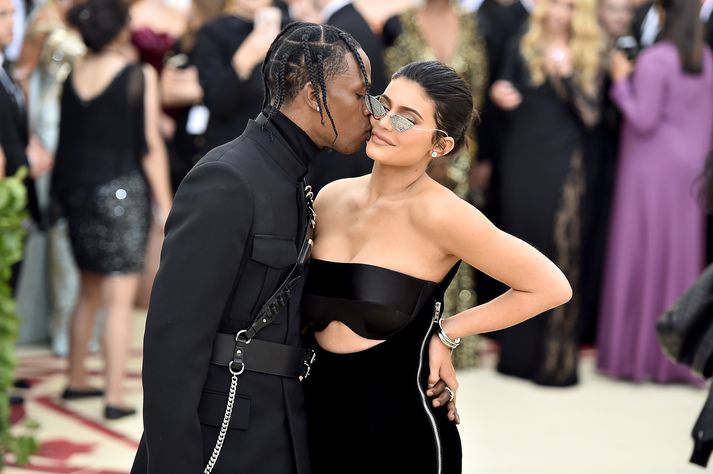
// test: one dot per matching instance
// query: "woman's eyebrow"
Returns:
(407, 109)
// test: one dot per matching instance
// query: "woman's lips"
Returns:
(380, 140)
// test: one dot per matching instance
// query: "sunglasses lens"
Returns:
(375, 107)
(401, 124)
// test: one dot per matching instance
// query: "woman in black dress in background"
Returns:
(228, 55)
(549, 84)
(110, 162)
(386, 247)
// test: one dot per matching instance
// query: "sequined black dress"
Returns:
(98, 183)
(367, 411)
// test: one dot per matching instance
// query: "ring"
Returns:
(453, 394)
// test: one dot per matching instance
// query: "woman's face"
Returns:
(559, 16)
(389, 147)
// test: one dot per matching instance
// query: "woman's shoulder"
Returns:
(437, 207)
(339, 192)
(661, 52)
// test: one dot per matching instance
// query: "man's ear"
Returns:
(309, 95)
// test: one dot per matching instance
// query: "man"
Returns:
(646, 25)
(237, 226)
(17, 149)
(329, 166)
(707, 17)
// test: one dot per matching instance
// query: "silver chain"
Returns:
(309, 195)
(224, 426)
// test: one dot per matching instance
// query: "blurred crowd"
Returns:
(595, 123)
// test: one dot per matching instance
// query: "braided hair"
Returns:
(302, 53)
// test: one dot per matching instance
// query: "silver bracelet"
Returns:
(447, 341)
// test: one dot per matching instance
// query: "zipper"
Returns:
(424, 400)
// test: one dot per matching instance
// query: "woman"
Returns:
(441, 30)
(48, 52)
(386, 247)
(182, 94)
(110, 158)
(155, 27)
(656, 240)
(550, 87)
(615, 17)
(228, 55)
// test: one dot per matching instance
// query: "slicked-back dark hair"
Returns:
(449, 92)
(302, 53)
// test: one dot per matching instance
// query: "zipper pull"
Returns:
(437, 312)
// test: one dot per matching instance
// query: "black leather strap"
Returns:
(272, 307)
(261, 356)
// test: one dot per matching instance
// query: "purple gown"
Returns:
(656, 239)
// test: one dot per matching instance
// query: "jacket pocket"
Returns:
(211, 410)
(275, 251)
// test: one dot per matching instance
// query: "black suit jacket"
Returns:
(14, 137)
(232, 235)
(329, 165)
(638, 21)
(499, 23)
(231, 100)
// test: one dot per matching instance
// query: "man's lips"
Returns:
(380, 139)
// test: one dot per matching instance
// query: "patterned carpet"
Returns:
(74, 437)
(600, 426)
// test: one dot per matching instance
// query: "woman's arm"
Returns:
(155, 162)
(180, 87)
(641, 96)
(2, 162)
(536, 284)
(503, 92)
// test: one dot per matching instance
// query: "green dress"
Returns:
(470, 61)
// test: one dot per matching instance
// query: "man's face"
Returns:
(615, 17)
(345, 98)
(7, 13)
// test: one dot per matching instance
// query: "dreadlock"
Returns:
(302, 53)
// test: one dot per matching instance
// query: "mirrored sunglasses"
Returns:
(399, 123)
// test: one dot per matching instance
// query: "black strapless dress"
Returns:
(368, 411)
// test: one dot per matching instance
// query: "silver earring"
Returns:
(318, 108)
(434, 154)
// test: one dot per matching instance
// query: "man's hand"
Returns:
(505, 95)
(620, 67)
(254, 49)
(442, 381)
(38, 156)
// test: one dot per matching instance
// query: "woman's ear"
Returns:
(444, 146)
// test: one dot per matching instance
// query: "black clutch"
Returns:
(685, 331)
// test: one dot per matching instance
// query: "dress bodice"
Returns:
(60, 49)
(374, 302)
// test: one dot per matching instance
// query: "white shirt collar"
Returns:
(650, 27)
(706, 10)
(333, 7)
